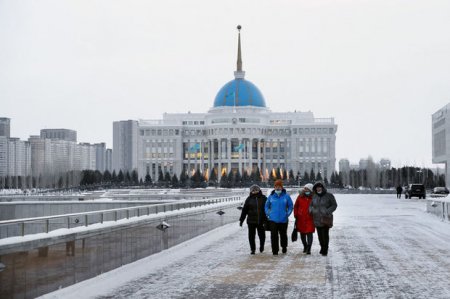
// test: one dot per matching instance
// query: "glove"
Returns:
(240, 223)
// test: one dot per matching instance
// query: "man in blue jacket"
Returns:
(278, 208)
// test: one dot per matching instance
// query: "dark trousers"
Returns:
(252, 228)
(307, 240)
(275, 230)
(399, 195)
(324, 238)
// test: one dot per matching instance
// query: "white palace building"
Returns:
(238, 133)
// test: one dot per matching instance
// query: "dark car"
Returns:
(441, 190)
(415, 190)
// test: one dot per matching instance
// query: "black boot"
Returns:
(305, 248)
(261, 249)
(308, 249)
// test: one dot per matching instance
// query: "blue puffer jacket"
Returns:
(278, 208)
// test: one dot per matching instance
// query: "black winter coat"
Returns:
(254, 209)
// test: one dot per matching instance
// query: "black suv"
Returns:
(415, 190)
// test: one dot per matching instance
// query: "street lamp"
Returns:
(420, 173)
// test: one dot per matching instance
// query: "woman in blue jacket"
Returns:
(278, 208)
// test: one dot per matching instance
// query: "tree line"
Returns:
(369, 178)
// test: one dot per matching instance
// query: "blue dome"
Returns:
(239, 92)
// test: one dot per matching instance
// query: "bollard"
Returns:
(47, 225)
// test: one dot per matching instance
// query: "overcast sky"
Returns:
(379, 67)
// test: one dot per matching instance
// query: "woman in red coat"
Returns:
(303, 219)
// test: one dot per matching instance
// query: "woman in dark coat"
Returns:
(254, 211)
(303, 219)
(322, 204)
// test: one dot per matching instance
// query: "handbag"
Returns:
(327, 220)
(294, 235)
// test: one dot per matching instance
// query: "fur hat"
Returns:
(278, 183)
(309, 187)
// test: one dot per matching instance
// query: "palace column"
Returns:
(229, 154)
(219, 158)
(258, 153)
(240, 155)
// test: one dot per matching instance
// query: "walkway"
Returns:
(381, 247)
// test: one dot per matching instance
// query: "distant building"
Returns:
(59, 134)
(19, 157)
(344, 165)
(125, 145)
(363, 163)
(239, 133)
(385, 164)
(108, 160)
(5, 127)
(440, 129)
(41, 158)
(3, 156)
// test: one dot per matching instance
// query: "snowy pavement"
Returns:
(380, 247)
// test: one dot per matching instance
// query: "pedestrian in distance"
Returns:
(322, 206)
(278, 208)
(253, 210)
(303, 219)
(399, 191)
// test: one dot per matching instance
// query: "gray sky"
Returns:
(379, 67)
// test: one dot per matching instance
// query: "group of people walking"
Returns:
(313, 210)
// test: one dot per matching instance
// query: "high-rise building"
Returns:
(3, 156)
(108, 159)
(125, 145)
(5, 128)
(239, 133)
(41, 156)
(100, 156)
(59, 134)
(19, 157)
(344, 165)
(440, 128)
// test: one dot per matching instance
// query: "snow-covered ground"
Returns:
(380, 247)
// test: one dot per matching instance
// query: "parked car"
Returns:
(441, 190)
(415, 190)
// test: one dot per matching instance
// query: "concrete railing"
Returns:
(34, 267)
(34, 225)
(439, 206)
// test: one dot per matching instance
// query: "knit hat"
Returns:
(278, 183)
(309, 187)
(255, 188)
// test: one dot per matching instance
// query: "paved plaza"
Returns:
(380, 247)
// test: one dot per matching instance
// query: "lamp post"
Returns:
(420, 175)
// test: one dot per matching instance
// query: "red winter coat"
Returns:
(305, 222)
